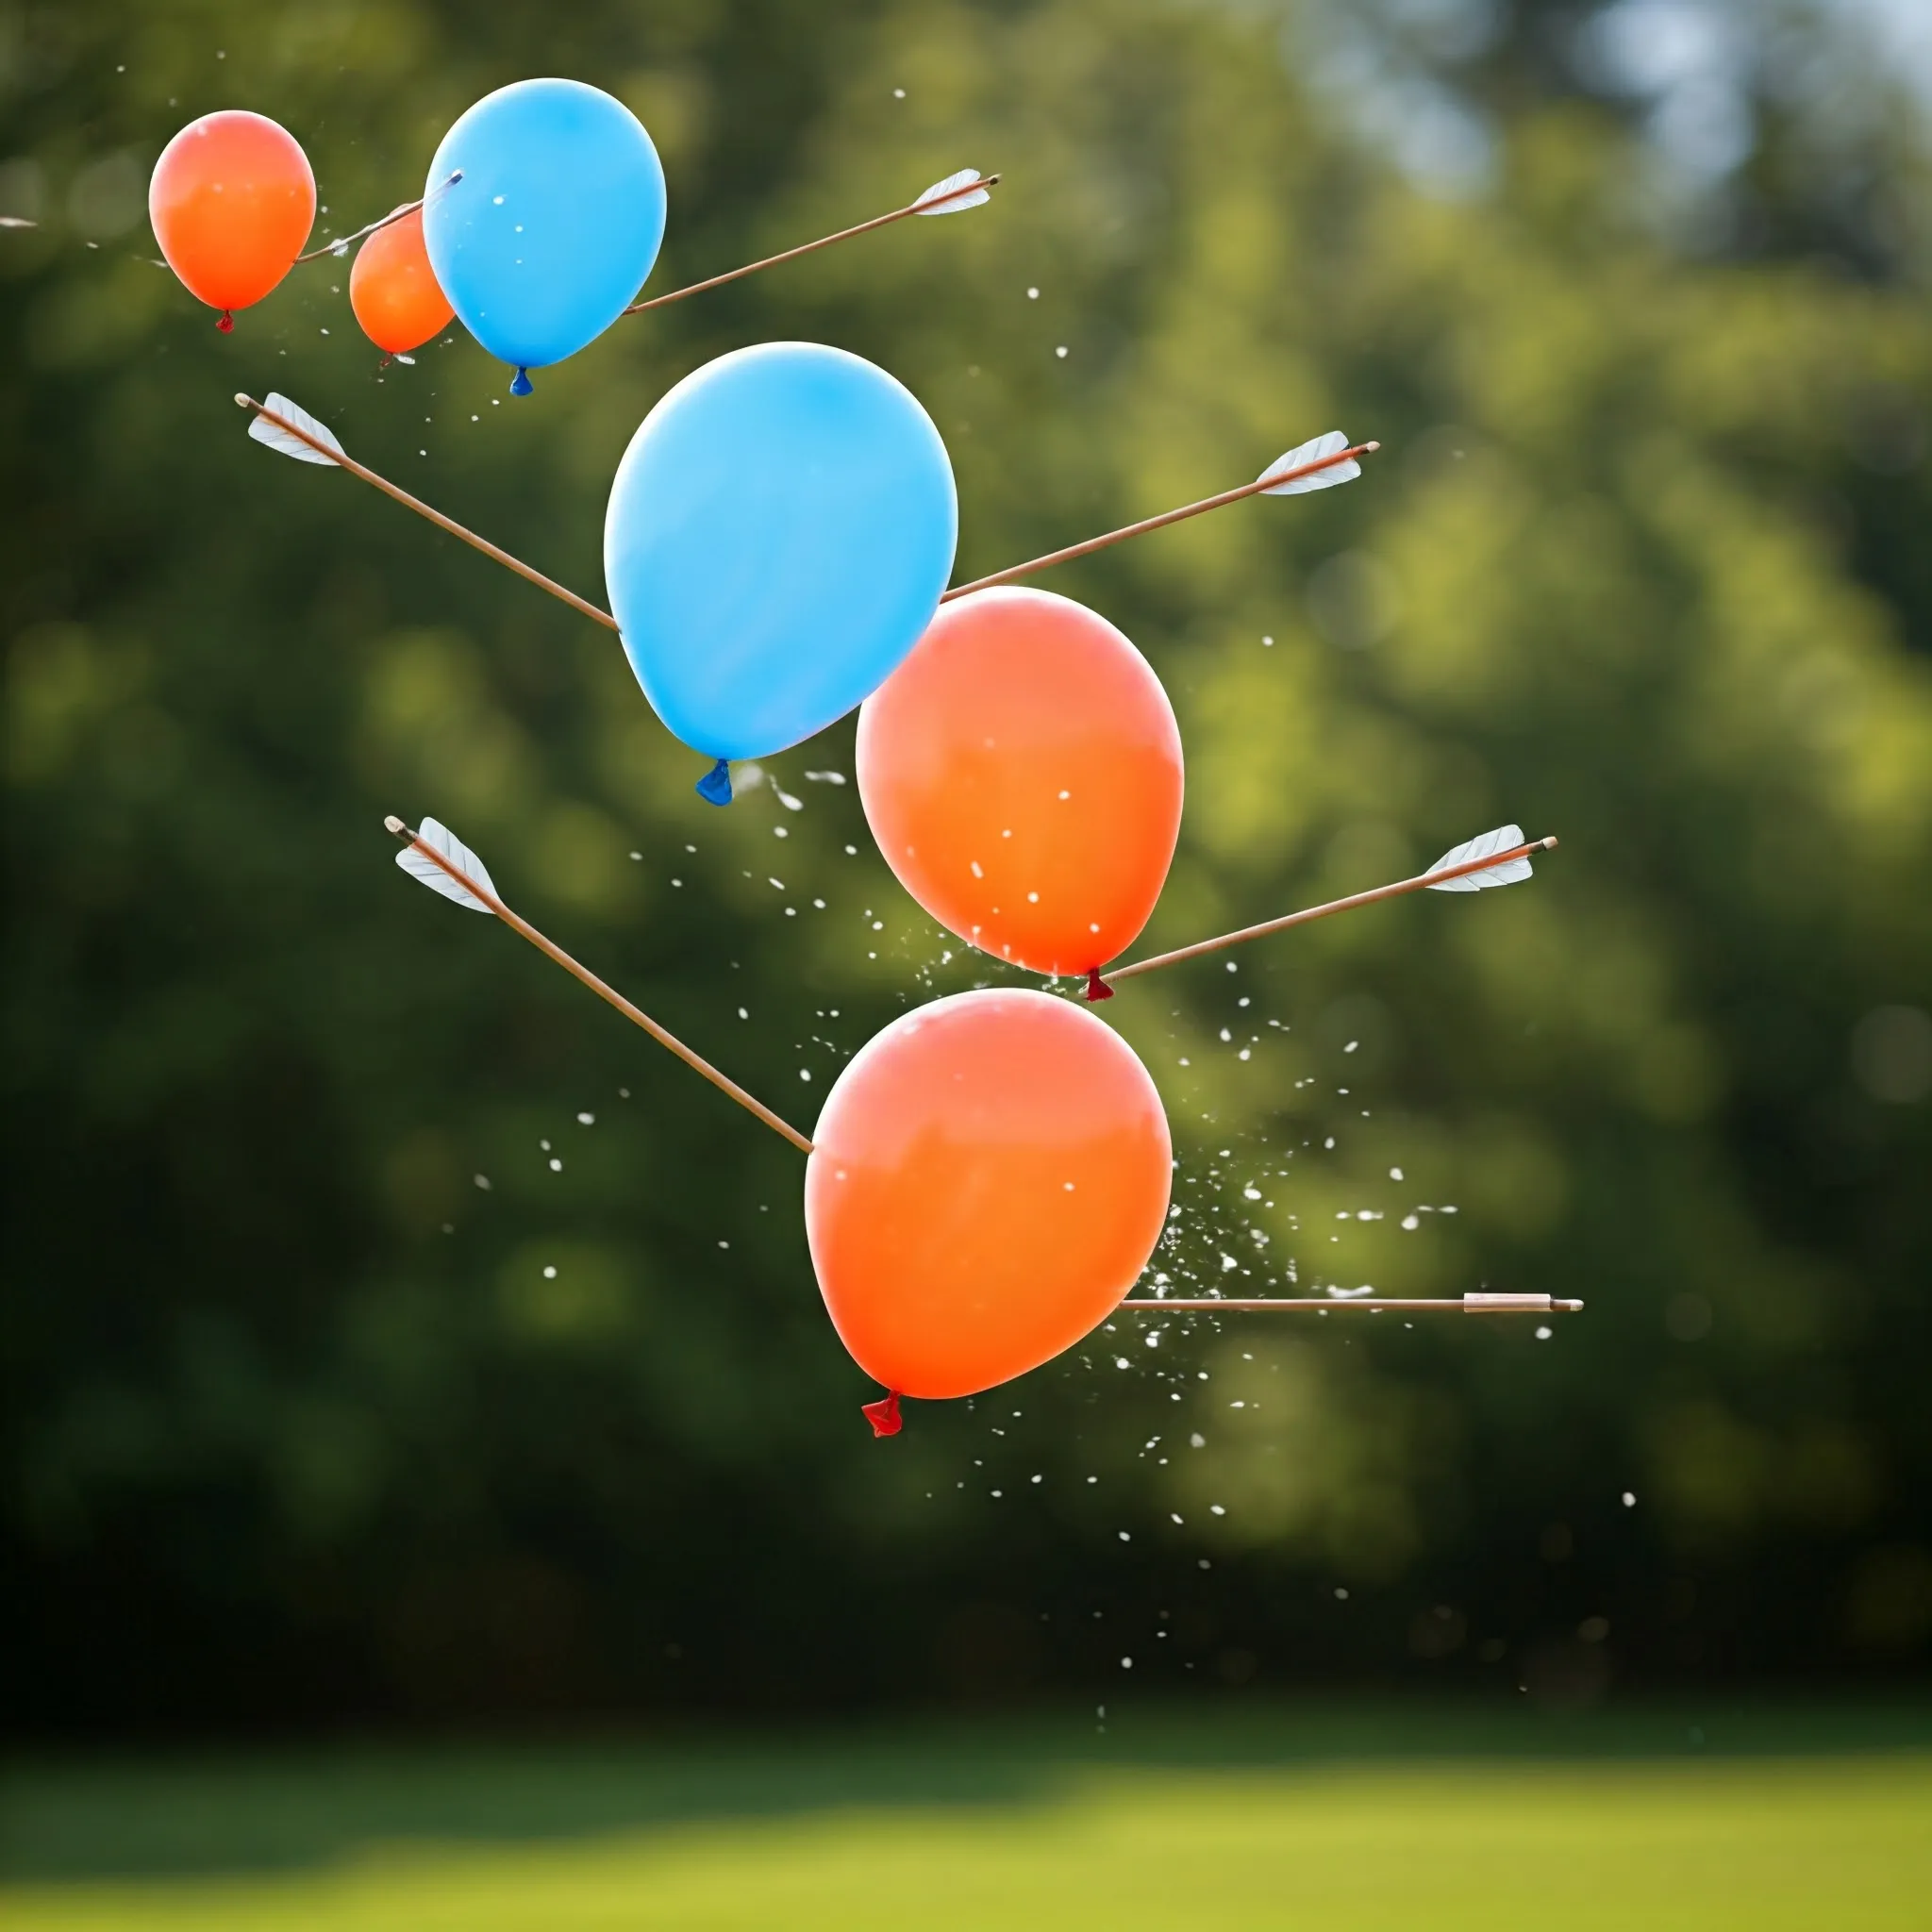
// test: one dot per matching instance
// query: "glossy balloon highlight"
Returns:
(548, 236)
(777, 537)
(1022, 772)
(232, 200)
(990, 1176)
(393, 291)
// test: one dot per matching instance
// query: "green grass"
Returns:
(1330, 1821)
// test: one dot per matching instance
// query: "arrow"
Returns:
(1468, 1303)
(968, 189)
(1319, 464)
(292, 431)
(343, 243)
(1497, 858)
(438, 858)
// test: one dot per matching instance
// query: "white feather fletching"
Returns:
(947, 192)
(279, 439)
(458, 855)
(1507, 873)
(1313, 453)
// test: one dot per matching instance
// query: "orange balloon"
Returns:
(393, 290)
(232, 201)
(1022, 774)
(988, 1179)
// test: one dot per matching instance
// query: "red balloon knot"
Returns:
(1097, 989)
(225, 322)
(883, 1416)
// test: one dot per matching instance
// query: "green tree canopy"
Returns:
(299, 1421)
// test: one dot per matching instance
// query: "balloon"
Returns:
(1022, 774)
(232, 201)
(393, 290)
(777, 537)
(988, 1177)
(550, 233)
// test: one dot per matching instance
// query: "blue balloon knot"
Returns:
(715, 787)
(520, 383)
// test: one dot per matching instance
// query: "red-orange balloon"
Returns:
(393, 290)
(988, 1177)
(1022, 774)
(232, 201)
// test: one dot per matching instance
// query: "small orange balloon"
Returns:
(1021, 773)
(393, 290)
(988, 1179)
(232, 201)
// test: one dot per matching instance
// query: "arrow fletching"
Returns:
(279, 439)
(1328, 446)
(947, 197)
(458, 855)
(1502, 839)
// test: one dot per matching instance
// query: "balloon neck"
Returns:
(1097, 989)
(520, 384)
(384, 364)
(715, 787)
(225, 322)
(883, 1416)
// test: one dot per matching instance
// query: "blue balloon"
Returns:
(778, 534)
(548, 236)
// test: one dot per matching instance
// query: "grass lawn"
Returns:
(1271, 1817)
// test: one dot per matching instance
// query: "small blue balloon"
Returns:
(548, 236)
(778, 534)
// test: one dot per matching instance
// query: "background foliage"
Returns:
(298, 1427)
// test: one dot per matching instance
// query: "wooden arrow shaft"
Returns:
(1257, 488)
(751, 268)
(435, 516)
(1465, 1304)
(636, 1015)
(343, 243)
(1421, 882)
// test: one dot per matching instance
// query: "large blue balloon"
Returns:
(550, 233)
(777, 538)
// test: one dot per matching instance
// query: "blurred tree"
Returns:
(388, 1332)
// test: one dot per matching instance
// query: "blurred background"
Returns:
(396, 1343)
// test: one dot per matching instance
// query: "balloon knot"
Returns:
(715, 787)
(384, 364)
(883, 1416)
(520, 384)
(225, 322)
(1097, 989)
